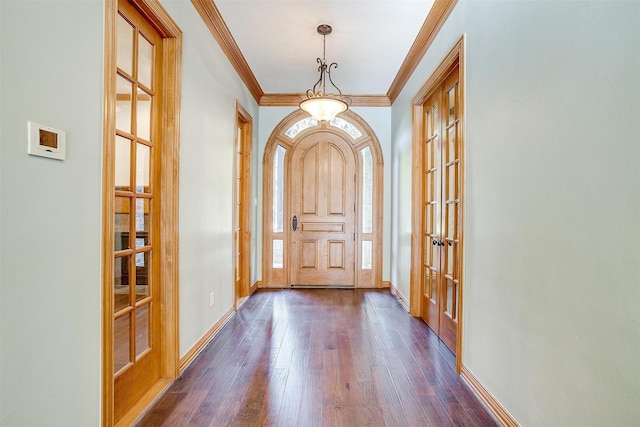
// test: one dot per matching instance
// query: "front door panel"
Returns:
(322, 185)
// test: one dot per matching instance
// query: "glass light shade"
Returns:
(323, 107)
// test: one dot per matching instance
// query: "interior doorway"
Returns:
(322, 204)
(242, 205)
(140, 184)
(438, 198)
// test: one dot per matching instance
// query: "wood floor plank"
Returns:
(321, 357)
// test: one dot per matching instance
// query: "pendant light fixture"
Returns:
(323, 105)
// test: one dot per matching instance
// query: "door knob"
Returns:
(294, 223)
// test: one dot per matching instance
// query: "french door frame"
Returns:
(455, 56)
(242, 206)
(167, 182)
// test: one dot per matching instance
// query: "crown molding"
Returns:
(437, 16)
(213, 20)
(293, 99)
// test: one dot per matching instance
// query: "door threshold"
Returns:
(309, 286)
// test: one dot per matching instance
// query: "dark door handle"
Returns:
(294, 223)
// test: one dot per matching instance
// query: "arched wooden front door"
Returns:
(322, 204)
(322, 184)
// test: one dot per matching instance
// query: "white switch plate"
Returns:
(211, 299)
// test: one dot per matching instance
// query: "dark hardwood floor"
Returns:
(321, 357)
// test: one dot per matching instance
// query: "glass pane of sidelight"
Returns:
(124, 90)
(367, 191)
(278, 254)
(121, 283)
(121, 354)
(278, 190)
(145, 61)
(143, 115)
(142, 328)
(143, 166)
(122, 217)
(125, 46)
(367, 254)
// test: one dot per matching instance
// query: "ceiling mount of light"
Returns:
(323, 105)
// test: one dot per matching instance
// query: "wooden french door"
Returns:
(136, 199)
(322, 211)
(441, 227)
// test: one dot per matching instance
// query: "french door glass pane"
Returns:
(452, 182)
(143, 166)
(121, 356)
(124, 93)
(449, 297)
(123, 164)
(142, 274)
(142, 328)
(125, 46)
(121, 283)
(121, 223)
(143, 115)
(451, 104)
(145, 61)
(142, 220)
(452, 146)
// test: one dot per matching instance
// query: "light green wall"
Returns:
(50, 216)
(552, 273)
(210, 88)
(50, 223)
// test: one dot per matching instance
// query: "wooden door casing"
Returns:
(277, 258)
(155, 314)
(438, 149)
(322, 193)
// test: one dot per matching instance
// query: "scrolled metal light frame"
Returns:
(323, 105)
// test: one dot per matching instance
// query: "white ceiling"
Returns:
(279, 40)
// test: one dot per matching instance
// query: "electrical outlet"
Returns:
(211, 299)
